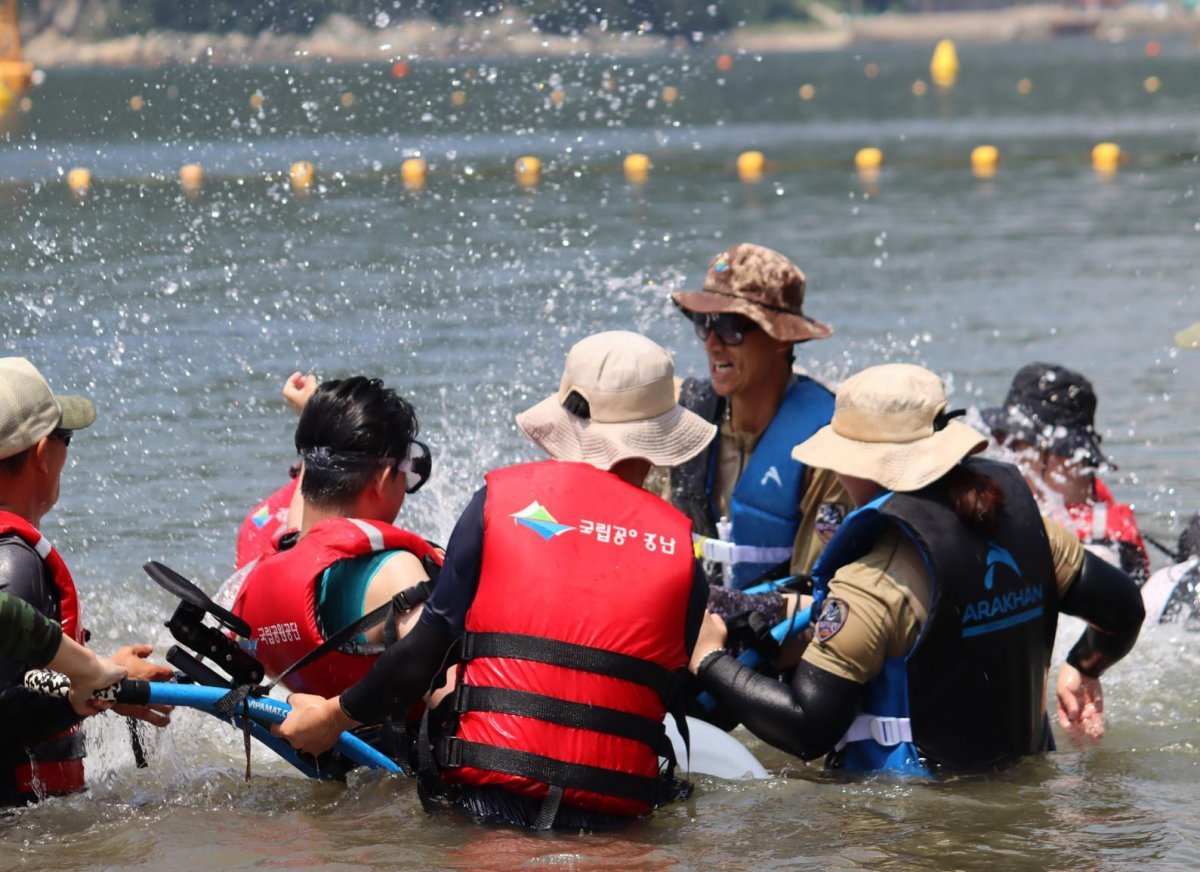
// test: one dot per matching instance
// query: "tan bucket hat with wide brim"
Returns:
(889, 426)
(625, 385)
(761, 284)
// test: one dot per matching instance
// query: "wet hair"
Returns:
(345, 429)
(975, 497)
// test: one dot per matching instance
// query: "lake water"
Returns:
(182, 315)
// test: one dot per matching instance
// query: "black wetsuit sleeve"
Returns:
(25, 634)
(403, 673)
(27, 718)
(806, 718)
(1109, 600)
(697, 603)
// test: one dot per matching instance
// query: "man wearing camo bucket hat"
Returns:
(568, 604)
(761, 514)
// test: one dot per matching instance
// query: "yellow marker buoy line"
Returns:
(1105, 158)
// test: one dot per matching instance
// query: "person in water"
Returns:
(357, 441)
(1048, 422)
(939, 599)
(30, 638)
(41, 740)
(762, 515)
(569, 600)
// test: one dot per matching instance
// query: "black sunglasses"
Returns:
(729, 327)
(63, 436)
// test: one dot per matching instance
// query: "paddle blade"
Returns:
(1189, 337)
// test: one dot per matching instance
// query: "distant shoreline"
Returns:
(342, 40)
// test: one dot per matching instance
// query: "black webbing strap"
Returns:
(558, 711)
(453, 752)
(340, 641)
(571, 656)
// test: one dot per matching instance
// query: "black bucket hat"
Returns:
(1053, 408)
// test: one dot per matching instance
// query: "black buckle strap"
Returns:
(599, 719)
(453, 753)
(571, 656)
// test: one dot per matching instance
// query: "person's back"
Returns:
(357, 441)
(598, 570)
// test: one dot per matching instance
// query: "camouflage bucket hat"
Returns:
(761, 284)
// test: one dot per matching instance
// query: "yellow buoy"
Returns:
(413, 172)
(1024, 86)
(984, 159)
(1189, 337)
(528, 170)
(1106, 157)
(750, 166)
(637, 168)
(348, 100)
(919, 88)
(807, 92)
(943, 67)
(670, 94)
(871, 70)
(302, 174)
(1152, 84)
(256, 100)
(191, 178)
(870, 159)
(137, 103)
(79, 180)
(458, 98)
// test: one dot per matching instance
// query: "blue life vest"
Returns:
(970, 695)
(765, 504)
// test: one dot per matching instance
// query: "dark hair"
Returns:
(13, 465)
(975, 497)
(355, 420)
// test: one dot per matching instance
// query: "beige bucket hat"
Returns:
(30, 411)
(761, 284)
(620, 389)
(890, 426)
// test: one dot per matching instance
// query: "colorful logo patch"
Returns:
(536, 518)
(261, 516)
(720, 264)
(829, 518)
(833, 618)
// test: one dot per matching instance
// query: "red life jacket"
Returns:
(279, 600)
(1105, 522)
(46, 775)
(267, 522)
(578, 619)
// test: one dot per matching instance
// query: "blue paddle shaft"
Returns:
(261, 709)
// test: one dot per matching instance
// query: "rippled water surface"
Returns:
(181, 316)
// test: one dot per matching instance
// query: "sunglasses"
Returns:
(416, 466)
(63, 436)
(731, 329)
